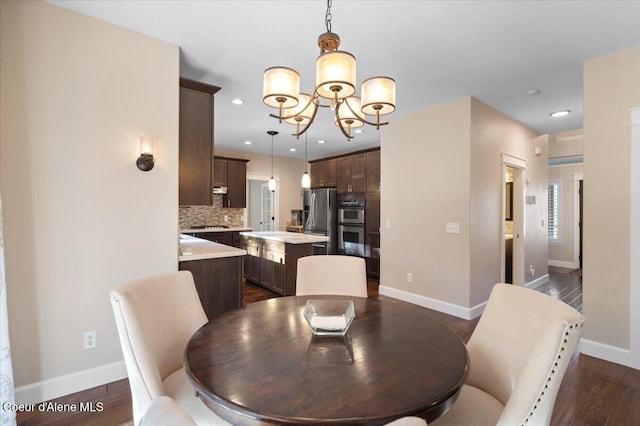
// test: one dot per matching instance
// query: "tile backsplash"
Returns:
(210, 215)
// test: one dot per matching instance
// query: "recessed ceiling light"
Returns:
(321, 141)
(358, 131)
(237, 101)
(533, 92)
(292, 149)
(247, 142)
(562, 113)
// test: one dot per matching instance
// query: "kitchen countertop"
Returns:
(193, 248)
(287, 237)
(215, 229)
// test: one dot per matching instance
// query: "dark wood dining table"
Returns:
(262, 364)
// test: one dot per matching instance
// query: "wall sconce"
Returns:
(146, 162)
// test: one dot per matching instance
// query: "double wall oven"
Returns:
(351, 230)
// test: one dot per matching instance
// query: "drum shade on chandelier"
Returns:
(335, 82)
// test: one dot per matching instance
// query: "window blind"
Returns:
(553, 221)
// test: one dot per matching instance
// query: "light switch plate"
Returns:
(453, 228)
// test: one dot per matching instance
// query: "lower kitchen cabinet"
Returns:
(218, 282)
(273, 265)
(372, 234)
(228, 238)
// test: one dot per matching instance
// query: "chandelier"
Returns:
(335, 83)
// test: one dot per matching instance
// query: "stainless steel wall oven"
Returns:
(351, 230)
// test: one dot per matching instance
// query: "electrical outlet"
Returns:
(453, 228)
(409, 277)
(89, 339)
(532, 271)
(226, 218)
(388, 223)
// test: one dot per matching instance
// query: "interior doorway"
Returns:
(579, 221)
(262, 204)
(512, 218)
(575, 222)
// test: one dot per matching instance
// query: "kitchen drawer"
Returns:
(274, 246)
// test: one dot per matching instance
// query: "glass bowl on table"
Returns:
(329, 317)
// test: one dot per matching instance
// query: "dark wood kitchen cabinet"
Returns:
(272, 264)
(236, 184)
(372, 234)
(228, 238)
(195, 142)
(373, 171)
(231, 173)
(352, 173)
(323, 173)
(218, 282)
(219, 172)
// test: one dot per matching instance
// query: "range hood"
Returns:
(219, 189)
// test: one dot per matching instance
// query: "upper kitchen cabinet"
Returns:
(196, 142)
(323, 173)
(219, 172)
(232, 174)
(352, 173)
(373, 171)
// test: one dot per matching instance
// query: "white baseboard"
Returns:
(436, 305)
(539, 280)
(610, 353)
(562, 264)
(64, 385)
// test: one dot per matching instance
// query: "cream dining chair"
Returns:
(163, 411)
(518, 354)
(331, 274)
(155, 317)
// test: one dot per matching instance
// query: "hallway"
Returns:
(564, 284)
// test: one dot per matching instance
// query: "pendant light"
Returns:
(272, 181)
(306, 179)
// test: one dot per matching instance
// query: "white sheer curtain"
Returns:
(7, 417)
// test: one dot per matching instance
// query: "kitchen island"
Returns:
(272, 258)
(217, 272)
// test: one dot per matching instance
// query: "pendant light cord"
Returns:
(271, 155)
(305, 152)
(327, 17)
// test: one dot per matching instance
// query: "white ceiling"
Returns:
(436, 51)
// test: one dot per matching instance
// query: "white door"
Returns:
(266, 208)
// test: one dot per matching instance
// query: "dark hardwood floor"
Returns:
(564, 284)
(593, 392)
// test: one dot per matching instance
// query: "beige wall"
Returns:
(443, 164)
(289, 172)
(566, 144)
(493, 133)
(611, 87)
(76, 94)
(562, 254)
(425, 184)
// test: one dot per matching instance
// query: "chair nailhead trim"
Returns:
(546, 386)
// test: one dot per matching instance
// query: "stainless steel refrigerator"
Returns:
(321, 217)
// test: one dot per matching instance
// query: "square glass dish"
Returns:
(329, 317)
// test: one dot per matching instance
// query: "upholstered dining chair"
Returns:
(164, 411)
(518, 355)
(408, 421)
(155, 317)
(331, 274)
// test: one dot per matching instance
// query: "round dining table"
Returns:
(261, 364)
